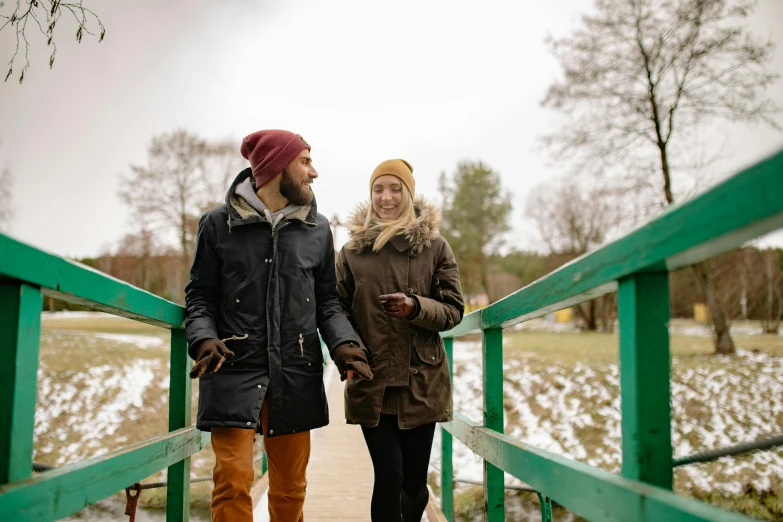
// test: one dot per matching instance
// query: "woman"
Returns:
(399, 285)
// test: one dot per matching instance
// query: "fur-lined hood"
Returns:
(418, 236)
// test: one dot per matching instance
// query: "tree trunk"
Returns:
(485, 281)
(721, 337)
(608, 305)
(724, 344)
(771, 322)
(185, 258)
(667, 180)
(586, 311)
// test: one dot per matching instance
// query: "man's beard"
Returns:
(295, 193)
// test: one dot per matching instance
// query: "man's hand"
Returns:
(350, 360)
(398, 305)
(210, 355)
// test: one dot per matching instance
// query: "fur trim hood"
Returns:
(418, 236)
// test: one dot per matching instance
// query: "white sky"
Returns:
(433, 82)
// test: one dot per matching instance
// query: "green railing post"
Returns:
(20, 331)
(492, 371)
(546, 507)
(178, 492)
(446, 462)
(643, 302)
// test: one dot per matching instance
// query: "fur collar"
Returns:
(245, 210)
(416, 237)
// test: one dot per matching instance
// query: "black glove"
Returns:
(351, 357)
(210, 354)
(398, 305)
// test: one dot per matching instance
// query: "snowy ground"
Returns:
(572, 408)
(101, 388)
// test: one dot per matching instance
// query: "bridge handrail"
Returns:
(27, 275)
(743, 207)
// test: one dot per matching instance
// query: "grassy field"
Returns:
(562, 394)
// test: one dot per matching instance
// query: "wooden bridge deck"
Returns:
(339, 476)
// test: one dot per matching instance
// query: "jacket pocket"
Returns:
(430, 351)
(232, 297)
(306, 282)
(302, 351)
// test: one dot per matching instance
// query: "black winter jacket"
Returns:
(278, 288)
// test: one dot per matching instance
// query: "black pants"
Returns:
(400, 459)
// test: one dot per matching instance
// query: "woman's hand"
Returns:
(398, 305)
(351, 359)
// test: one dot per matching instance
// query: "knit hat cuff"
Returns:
(399, 168)
(265, 171)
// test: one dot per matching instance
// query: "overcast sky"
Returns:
(433, 82)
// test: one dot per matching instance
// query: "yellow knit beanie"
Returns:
(396, 167)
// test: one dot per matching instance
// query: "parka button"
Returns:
(433, 358)
(271, 432)
(308, 299)
(259, 386)
(248, 423)
(237, 300)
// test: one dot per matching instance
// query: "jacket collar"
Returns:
(415, 238)
(240, 212)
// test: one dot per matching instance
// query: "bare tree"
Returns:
(573, 220)
(44, 17)
(642, 76)
(6, 198)
(570, 219)
(221, 165)
(141, 246)
(180, 181)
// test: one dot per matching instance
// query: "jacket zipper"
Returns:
(301, 345)
(437, 283)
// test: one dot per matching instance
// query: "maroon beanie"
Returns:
(270, 152)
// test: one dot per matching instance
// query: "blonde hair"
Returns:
(387, 229)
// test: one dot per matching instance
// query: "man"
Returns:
(263, 280)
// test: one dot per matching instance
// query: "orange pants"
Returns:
(287, 457)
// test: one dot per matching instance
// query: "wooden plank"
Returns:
(643, 302)
(178, 490)
(743, 207)
(20, 331)
(76, 283)
(492, 372)
(259, 488)
(59, 493)
(446, 450)
(339, 476)
(434, 514)
(587, 491)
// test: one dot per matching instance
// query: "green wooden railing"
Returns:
(637, 266)
(26, 276)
